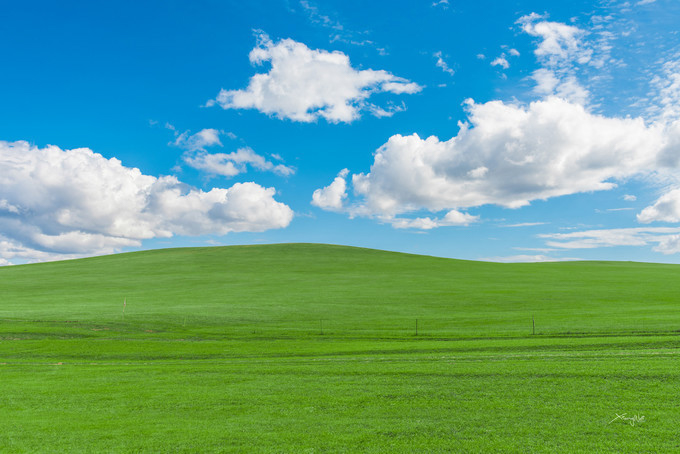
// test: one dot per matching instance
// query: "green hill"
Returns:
(313, 348)
(294, 286)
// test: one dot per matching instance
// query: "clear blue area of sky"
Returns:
(109, 76)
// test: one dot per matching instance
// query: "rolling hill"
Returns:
(318, 348)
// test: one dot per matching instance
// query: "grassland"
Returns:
(313, 348)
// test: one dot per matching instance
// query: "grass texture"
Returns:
(317, 348)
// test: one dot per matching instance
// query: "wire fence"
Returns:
(417, 327)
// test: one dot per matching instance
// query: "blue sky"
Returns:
(487, 130)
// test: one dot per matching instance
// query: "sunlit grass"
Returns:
(310, 348)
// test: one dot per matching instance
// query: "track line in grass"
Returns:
(555, 356)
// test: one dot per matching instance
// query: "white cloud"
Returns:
(644, 2)
(416, 223)
(332, 196)
(8, 207)
(12, 252)
(546, 81)
(629, 198)
(442, 64)
(388, 111)
(501, 61)
(455, 217)
(666, 91)
(665, 209)
(225, 164)
(567, 87)
(443, 3)
(64, 203)
(511, 154)
(199, 141)
(304, 84)
(451, 218)
(508, 155)
(560, 49)
(666, 239)
(231, 164)
(559, 42)
(534, 249)
(527, 259)
(669, 244)
(526, 224)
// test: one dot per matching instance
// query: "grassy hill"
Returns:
(313, 348)
(294, 286)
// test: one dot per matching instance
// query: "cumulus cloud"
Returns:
(451, 218)
(332, 196)
(231, 164)
(566, 86)
(225, 164)
(199, 141)
(665, 209)
(668, 244)
(65, 203)
(501, 61)
(509, 155)
(304, 84)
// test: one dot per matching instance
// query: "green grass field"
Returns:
(313, 348)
